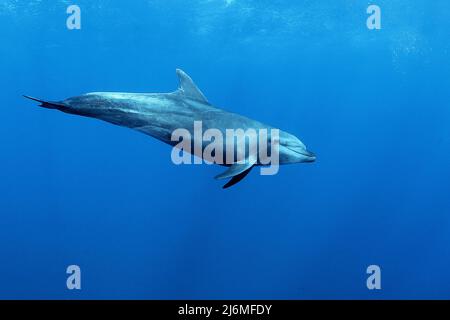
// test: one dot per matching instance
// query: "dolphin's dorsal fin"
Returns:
(188, 87)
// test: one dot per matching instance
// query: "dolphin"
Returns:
(160, 114)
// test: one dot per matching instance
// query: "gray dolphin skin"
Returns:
(160, 114)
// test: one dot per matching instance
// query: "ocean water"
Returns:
(372, 104)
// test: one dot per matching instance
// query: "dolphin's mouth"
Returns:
(309, 156)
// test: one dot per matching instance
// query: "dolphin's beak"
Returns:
(306, 155)
(311, 157)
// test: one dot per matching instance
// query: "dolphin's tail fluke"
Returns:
(46, 104)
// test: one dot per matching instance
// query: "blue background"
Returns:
(373, 105)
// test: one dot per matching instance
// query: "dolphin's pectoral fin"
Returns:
(237, 178)
(237, 172)
(237, 168)
(188, 87)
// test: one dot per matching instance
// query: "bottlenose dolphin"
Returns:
(160, 114)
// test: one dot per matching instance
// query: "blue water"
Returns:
(372, 104)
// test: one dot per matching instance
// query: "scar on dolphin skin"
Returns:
(160, 114)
